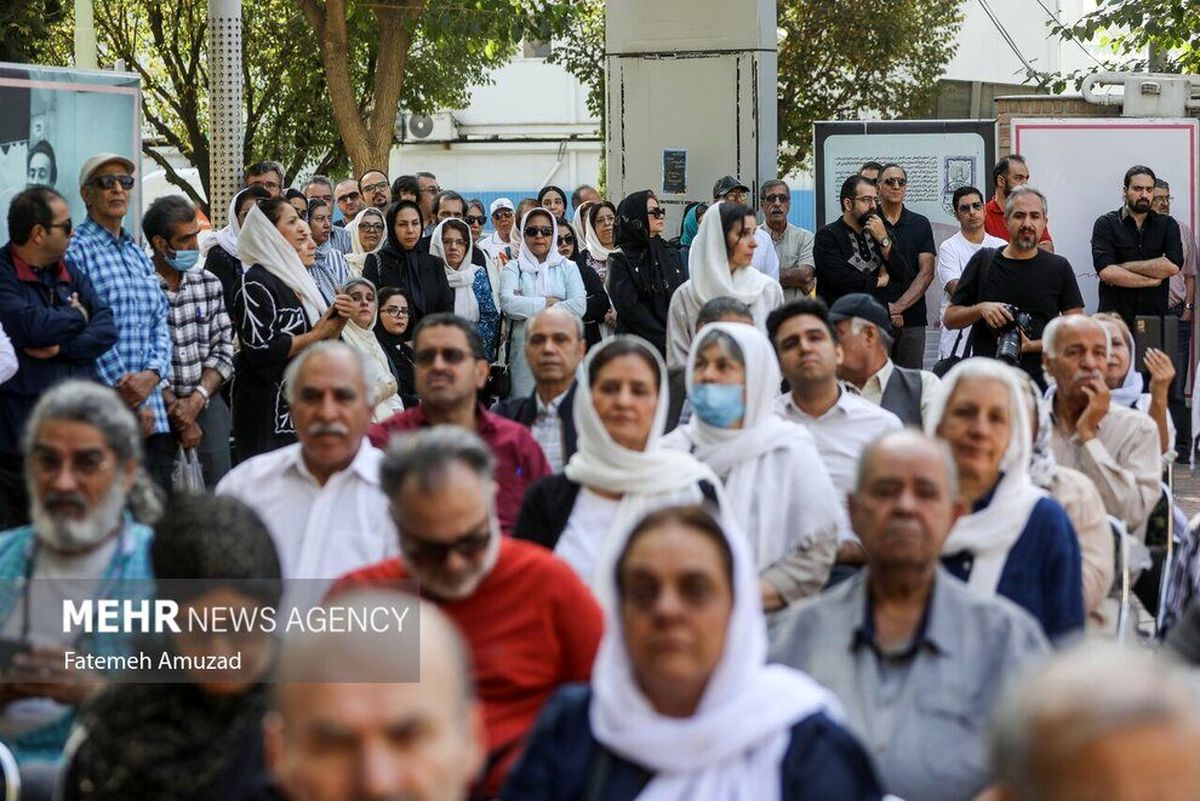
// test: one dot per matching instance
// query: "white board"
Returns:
(1080, 164)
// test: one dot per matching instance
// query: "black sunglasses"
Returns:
(473, 219)
(658, 212)
(65, 226)
(538, 230)
(566, 240)
(435, 553)
(776, 198)
(109, 181)
(428, 356)
(973, 206)
(896, 182)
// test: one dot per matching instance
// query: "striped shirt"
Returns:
(201, 332)
(126, 281)
(330, 272)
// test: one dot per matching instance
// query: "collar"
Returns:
(28, 275)
(92, 228)
(364, 463)
(934, 633)
(485, 422)
(552, 406)
(992, 207)
(884, 374)
(185, 278)
(787, 229)
(789, 402)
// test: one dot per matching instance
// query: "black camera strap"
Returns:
(985, 266)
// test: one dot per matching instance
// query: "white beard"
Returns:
(71, 536)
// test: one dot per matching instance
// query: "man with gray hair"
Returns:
(83, 451)
(532, 625)
(267, 174)
(1017, 289)
(321, 496)
(1099, 722)
(554, 347)
(916, 658)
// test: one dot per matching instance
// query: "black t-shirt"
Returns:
(1043, 286)
(914, 235)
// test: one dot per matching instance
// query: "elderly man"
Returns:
(532, 625)
(554, 347)
(450, 369)
(1100, 722)
(57, 323)
(731, 190)
(917, 659)
(864, 331)
(331, 739)
(793, 244)
(83, 454)
(139, 365)
(320, 497)
(1117, 448)
(502, 213)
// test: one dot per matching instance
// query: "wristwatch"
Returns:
(202, 392)
(885, 243)
(1189, 306)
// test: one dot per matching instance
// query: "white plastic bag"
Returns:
(187, 476)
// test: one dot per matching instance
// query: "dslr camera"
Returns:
(1008, 338)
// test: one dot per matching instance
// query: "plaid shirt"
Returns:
(125, 279)
(201, 332)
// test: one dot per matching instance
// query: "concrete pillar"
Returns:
(85, 36)
(692, 96)
(224, 106)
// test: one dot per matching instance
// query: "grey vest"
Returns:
(902, 395)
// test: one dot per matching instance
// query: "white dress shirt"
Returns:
(547, 430)
(876, 384)
(320, 532)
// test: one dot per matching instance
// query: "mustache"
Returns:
(1084, 375)
(320, 429)
(54, 498)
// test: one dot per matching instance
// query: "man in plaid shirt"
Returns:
(139, 364)
(201, 333)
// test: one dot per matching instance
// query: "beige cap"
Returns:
(99, 160)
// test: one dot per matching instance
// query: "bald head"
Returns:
(554, 347)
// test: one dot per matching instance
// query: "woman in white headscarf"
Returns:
(719, 266)
(776, 486)
(359, 334)
(365, 240)
(620, 469)
(278, 311)
(1129, 387)
(220, 248)
(682, 705)
(475, 299)
(1015, 540)
(539, 277)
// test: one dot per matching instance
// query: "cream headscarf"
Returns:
(462, 280)
(226, 237)
(380, 380)
(596, 250)
(708, 265)
(357, 256)
(528, 263)
(260, 242)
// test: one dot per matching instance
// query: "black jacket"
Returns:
(524, 411)
(640, 310)
(598, 303)
(228, 271)
(385, 268)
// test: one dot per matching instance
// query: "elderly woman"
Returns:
(682, 705)
(537, 278)
(1016, 541)
(475, 299)
(199, 738)
(777, 487)
(599, 236)
(392, 334)
(366, 237)
(278, 311)
(383, 384)
(620, 469)
(1128, 385)
(719, 267)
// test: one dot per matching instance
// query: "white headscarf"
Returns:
(1133, 385)
(708, 265)
(753, 489)
(989, 533)
(734, 744)
(596, 250)
(528, 263)
(579, 221)
(462, 280)
(357, 256)
(226, 237)
(646, 480)
(260, 242)
(380, 381)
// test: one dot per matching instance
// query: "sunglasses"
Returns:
(379, 187)
(963, 208)
(349, 196)
(428, 356)
(395, 311)
(424, 552)
(896, 182)
(566, 240)
(538, 230)
(503, 214)
(473, 219)
(374, 227)
(657, 213)
(776, 198)
(65, 226)
(109, 181)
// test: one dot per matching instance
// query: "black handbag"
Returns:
(943, 366)
(499, 380)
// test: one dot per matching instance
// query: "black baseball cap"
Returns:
(726, 185)
(860, 304)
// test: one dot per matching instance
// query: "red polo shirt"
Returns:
(519, 459)
(995, 224)
(532, 626)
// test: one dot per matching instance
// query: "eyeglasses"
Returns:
(428, 356)
(376, 187)
(473, 219)
(373, 227)
(538, 230)
(736, 196)
(432, 190)
(458, 243)
(126, 181)
(467, 546)
(65, 226)
(658, 212)
(869, 198)
(896, 182)
(973, 206)
(776, 199)
(395, 311)
(349, 197)
(502, 214)
(566, 239)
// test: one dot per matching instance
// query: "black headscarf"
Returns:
(410, 259)
(398, 351)
(646, 254)
(547, 189)
(176, 742)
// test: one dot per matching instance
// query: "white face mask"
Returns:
(73, 536)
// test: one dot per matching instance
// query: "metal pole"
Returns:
(85, 36)
(224, 106)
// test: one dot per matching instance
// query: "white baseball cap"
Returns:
(99, 160)
(500, 203)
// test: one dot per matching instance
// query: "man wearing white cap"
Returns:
(502, 219)
(124, 278)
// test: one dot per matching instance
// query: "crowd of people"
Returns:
(689, 517)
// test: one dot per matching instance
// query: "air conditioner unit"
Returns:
(1146, 94)
(439, 127)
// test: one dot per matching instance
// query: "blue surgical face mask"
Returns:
(719, 405)
(184, 260)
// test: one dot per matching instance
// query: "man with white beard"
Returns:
(83, 453)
